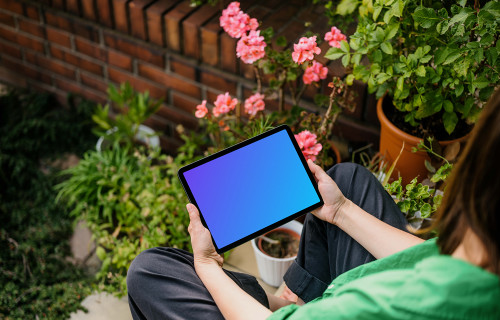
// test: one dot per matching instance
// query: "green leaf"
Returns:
(454, 55)
(448, 106)
(281, 41)
(391, 31)
(441, 55)
(397, 8)
(481, 82)
(461, 16)
(442, 27)
(426, 17)
(349, 79)
(346, 7)
(334, 53)
(425, 210)
(344, 46)
(356, 58)
(459, 89)
(101, 253)
(420, 71)
(376, 12)
(450, 120)
(400, 83)
(386, 47)
(345, 60)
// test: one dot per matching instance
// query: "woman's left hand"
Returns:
(201, 240)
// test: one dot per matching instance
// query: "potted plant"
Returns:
(436, 61)
(276, 250)
(126, 127)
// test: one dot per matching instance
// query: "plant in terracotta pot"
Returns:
(436, 61)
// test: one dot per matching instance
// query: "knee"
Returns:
(138, 268)
(348, 174)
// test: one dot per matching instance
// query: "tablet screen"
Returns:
(250, 188)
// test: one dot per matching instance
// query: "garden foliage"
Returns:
(36, 280)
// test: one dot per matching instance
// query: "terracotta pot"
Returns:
(292, 233)
(410, 164)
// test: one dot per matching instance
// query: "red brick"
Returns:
(58, 21)
(93, 82)
(7, 19)
(184, 102)
(183, 69)
(141, 85)
(8, 34)
(356, 131)
(137, 14)
(120, 15)
(90, 49)
(210, 42)
(32, 28)
(170, 144)
(58, 4)
(68, 86)
(158, 124)
(228, 53)
(12, 5)
(76, 60)
(171, 81)
(246, 70)
(173, 20)
(135, 49)
(191, 29)
(85, 30)
(30, 43)
(19, 68)
(292, 33)
(279, 18)
(32, 12)
(51, 65)
(217, 82)
(177, 117)
(10, 50)
(59, 37)
(73, 7)
(89, 10)
(119, 60)
(104, 13)
(154, 17)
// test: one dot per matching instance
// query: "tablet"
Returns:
(250, 188)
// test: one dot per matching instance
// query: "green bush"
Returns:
(36, 280)
(131, 201)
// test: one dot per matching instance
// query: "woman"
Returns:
(453, 277)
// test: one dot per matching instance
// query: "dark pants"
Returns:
(162, 282)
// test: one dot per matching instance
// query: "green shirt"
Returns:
(417, 283)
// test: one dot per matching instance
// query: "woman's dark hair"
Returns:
(472, 197)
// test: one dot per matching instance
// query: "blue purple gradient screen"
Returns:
(251, 188)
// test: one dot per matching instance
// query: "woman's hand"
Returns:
(201, 240)
(333, 198)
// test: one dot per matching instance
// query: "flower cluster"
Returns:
(305, 50)
(315, 73)
(235, 22)
(250, 48)
(254, 104)
(224, 104)
(309, 145)
(334, 37)
(201, 109)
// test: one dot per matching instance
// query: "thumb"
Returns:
(317, 171)
(194, 215)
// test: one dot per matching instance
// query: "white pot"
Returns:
(145, 134)
(272, 269)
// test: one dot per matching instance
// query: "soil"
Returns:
(287, 247)
(430, 126)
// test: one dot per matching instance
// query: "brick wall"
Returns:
(176, 52)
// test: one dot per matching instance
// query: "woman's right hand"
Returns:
(334, 200)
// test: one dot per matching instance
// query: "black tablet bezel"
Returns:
(239, 146)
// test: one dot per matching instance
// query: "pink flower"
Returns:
(305, 49)
(254, 104)
(250, 47)
(314, 73)
(201, 110)
(334, 37)
(224, 104)
(308, 144)
(235, 22)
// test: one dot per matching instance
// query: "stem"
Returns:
(281, 95)
(299, 94)
(258, 77)
(322, 129)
